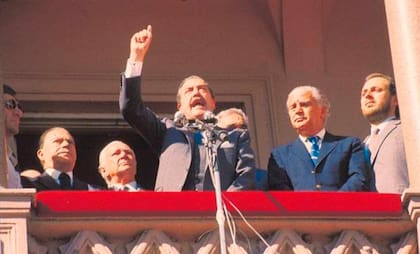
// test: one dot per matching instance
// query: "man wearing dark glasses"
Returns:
(12, 114)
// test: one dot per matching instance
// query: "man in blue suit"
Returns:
(183, 163)
(317, 160)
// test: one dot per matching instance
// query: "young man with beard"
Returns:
(317, 160)
(379, 105)
(182, 157)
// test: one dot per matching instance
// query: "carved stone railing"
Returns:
(15, 206)
(159, 222)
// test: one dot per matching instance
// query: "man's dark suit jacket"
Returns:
(175, 145)
(340, 166)
(45, 182)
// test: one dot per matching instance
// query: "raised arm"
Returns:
(132, 107)
(139, 44)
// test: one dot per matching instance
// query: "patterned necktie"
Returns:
(64, 181)
(314, 148)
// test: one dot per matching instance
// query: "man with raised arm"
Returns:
(182, 162)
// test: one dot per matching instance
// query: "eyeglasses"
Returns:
(12, 104)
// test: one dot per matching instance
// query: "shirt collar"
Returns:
(54, 173)
(132, 186)
(320, 135)
(382, 125)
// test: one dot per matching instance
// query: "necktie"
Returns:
(366, 153)
(314, 148)
(64, 181)
(198, 138)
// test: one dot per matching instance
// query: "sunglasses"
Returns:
(12, 104)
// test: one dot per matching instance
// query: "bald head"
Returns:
(117, 163)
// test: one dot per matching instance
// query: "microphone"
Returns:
(208, 123)
(221, 134)
(179, 119)
(209, 117)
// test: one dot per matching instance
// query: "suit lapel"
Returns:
(171, 176)
(79, 185)
(301, 153)
(375, 142)
(48, 182)
(328, 144)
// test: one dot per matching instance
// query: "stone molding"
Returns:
(281, 241)
(15, 207)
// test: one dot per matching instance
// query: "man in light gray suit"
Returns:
(183, 164)
(385, 145)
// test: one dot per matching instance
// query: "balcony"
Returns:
(184, 222)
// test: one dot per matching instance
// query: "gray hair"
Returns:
(237, 111)
(317, 94)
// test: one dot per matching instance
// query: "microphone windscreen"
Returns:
(178, 116)
(209, 117)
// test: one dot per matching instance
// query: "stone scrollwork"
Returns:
(35, 248)
(208, 243)
(86, 242)
(153, 241)
(287, 242)
(406, 245)
(353, 242)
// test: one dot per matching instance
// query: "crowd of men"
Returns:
(192, 147)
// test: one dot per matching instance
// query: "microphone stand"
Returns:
(211, 136)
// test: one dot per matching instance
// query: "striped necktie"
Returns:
(314, 148)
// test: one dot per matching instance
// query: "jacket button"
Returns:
(318, 186)
(313, 171)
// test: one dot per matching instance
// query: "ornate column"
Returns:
(404, 34)
(15, 205)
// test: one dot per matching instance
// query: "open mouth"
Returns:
(198, 102)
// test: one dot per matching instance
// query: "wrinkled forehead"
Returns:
(193, 82)
(299, 96)
(117, 145)
(58, 133)
(376, 82)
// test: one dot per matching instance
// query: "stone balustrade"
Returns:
(184, 222)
